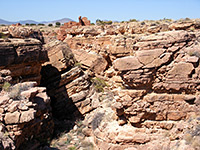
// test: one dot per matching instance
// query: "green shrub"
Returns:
(77, 64)
(6, 86)
(166, 20)
(3, 36)
(69, 139)
(101, 22)
(50, 25)
(41, 24)
(133, 20)
(58, 23)
(27, 24)
(99, 84)
(32, 24)
(72, 148)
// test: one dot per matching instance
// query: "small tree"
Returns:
(40, 24)
(133, 20)
(57, 23)
(50, 25)
(32, 24)
(27, 24)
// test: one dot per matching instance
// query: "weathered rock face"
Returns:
(94, 61)
(67, 85)
(17, 31)
(23, 57)
(60, 55)
(26, 114)
(155, 53)
(145, 90)
(160, 74)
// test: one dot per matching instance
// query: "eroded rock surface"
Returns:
(135, 84)
(25, 114)
(23, 57)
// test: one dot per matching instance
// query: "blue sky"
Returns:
(118, 10)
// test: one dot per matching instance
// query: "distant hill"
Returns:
(28, 21)
(5, 22)
(60, 20)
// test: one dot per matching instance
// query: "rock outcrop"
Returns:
(66, 83)
(135, 84)
(23, 57)
(82, 22)
(152, 72)
(25, 115)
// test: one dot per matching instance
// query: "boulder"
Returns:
(91, 60)
(60, 55)
(127, 63)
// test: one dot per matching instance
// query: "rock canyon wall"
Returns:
(135, 84)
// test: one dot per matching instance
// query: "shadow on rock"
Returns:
(64, 111)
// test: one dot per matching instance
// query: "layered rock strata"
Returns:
(23, 57)
(154, 80)
(145, 94)
(66, 83)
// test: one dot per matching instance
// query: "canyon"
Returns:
(124, 86)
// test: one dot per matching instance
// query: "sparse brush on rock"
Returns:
(4, 36)
(15, 91)
(97, 120)
(195, 53)
(6, 86)
(99, 84)
(192, 136)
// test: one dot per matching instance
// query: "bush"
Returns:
(27, 24)
(99, 84)
(58, 24)
(32, 24)
(101, 22)
(6, 86)
(50, 25)
(4, 36)
(133, 20)
(15, 91)
(40, 24)
(166, 20)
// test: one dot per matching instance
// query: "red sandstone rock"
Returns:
(86, 21)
